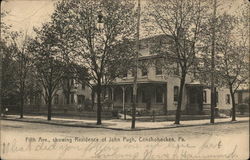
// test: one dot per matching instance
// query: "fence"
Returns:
(58, 110)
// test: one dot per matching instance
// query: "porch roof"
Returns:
(139, 81)
(195, 84)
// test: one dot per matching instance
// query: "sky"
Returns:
(26, 14)
(23, 15)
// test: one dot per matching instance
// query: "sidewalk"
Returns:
(118, 124)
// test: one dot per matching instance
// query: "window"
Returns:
(132, 73)
(240, 97)
(83, 86)
(216, 97)
(144, 99)
(56, 99)
(176, 93)
(205, 96)
(159, 95)
(144, 71)
(72, 99)
(158, 68)
(227, 99)
(176, 70)
(125, 74)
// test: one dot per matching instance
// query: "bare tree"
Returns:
(8, 67)
(232, 56)
(96, 28)
(231, 64)
(180, 22)
(49, 67)
(22, 58)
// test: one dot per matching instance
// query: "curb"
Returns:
(120, 129)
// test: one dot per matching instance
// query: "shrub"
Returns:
(87, 105)
(107, 103)
(247, 100)
(114, 113)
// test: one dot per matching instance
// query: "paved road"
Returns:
(20, 140)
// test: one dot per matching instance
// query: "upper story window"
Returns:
(176, 70)
(144, 71)
(158, 67)
(228, 99)
(132, 73)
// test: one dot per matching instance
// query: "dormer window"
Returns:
(124, 75)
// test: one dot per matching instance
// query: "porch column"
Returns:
(201, 100)
(112, 97)
(93, 93)
(165, 99)
(123, 99)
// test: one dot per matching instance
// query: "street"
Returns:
(21, 140)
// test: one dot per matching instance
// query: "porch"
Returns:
(196, 99)
(151, 96)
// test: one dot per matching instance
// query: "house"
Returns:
(158, 89)
(78, 94)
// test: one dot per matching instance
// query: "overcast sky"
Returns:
(26, 14)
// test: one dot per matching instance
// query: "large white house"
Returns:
(158, 89)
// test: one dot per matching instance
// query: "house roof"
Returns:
(154, 37)
(243, 90)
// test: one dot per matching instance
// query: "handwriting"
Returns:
(116, 150)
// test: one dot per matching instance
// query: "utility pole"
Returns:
(1, 70)
(213, 99)
(136, 68)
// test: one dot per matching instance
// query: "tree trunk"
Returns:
(21, 99)
(68, 91)
(178, 110)
(49, 107)
(21, 105)
(98, 91)
(93, 98)
(233, 104)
